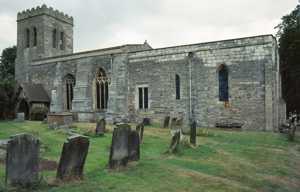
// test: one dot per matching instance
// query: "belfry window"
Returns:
(54, 34)
(177, 86)
(101, 89)
(143, 98)
(27, 38)
(34, 36)
(223, 83)
(69, 83)
(62, 41)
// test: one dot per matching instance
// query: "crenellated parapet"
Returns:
(46, 11)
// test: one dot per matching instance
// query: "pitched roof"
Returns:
(35, 93)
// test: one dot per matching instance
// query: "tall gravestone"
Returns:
(119, 148)
(173, 123)
(193, 134)
(175, 141)
(166, 122)
(134, 146)
(22, 160)
(100, 127)
(72, 158)
(140, 129)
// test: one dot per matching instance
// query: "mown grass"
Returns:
(222, 161)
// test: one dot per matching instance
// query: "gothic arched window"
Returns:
(101, 89)
(69, 83)
(34, 36)
(223, 83)
(27, 37)
(177, 85)
(54, 35)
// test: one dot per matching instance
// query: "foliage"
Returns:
(227, 161)
(289, 48)
(7, 66)
(9, 90)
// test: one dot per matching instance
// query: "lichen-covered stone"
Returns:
(73, 157)
(22, 160)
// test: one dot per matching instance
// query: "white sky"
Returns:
(105, 23)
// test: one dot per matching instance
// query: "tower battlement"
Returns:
(44, 10)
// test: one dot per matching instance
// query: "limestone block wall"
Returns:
(253, 89)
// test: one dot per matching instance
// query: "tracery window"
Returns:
(102, 82)
(69, 83)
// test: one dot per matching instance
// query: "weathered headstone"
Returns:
(140, 130)
(133, 146)
(175, 141)
(146, 121)
(22, 160)
(193, 134)
(166, 122)
(100, 127)
(173, 123)
(73, 157)
(119, 148)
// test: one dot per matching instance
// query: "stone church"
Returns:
(221, 83)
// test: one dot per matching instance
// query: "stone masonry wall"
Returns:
(252, 86)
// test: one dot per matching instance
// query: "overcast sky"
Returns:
(105, 23)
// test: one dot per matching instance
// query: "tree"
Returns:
(7, 65)
(289, 51)
(9, 90)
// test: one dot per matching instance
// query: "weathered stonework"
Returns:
(253, 76)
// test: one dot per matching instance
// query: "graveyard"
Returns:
(222, 160)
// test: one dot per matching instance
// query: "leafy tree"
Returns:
(289, 51)
(9, 90)
(7, 66)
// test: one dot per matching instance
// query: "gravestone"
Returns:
(140, 129)
(133, 146)
(73, 157)
(173, 123)
(146, 121)
(193, 134)
(166, 122)
(100, 127)
(119, 148)
(22, 160)
(175, 141)
(20, 117)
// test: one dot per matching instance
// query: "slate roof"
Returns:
(35, 93)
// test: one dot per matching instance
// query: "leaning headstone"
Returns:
(100, 127)
(140, 130)
(22, 160)
(175, 141)
(119, 148)
(166, 122)
(193, 134)
(73, 157)
(133, 146)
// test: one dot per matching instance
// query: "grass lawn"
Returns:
(223, 161)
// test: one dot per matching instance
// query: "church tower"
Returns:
(41, 32)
